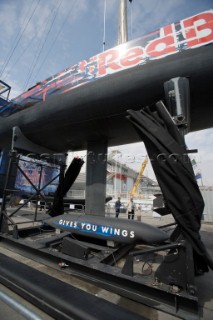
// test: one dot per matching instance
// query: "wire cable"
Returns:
(26, 48)
(14, 41)
(45, 39)
(104, 35)
(18, 40)
(17, 60)
(130, 19)
(58, 33)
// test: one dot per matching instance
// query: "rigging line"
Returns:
(4, 65)
(50, 28)
(50, 48)
(17, 35)
(130, 1)
(17, 60)
(20, 56)
(104, 35)
(19, 38)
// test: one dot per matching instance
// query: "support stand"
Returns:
(19, 146)
(170, 287)
(96, 178)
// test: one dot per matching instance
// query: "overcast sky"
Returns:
(41, 37)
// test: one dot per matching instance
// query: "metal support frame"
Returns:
(40, 290)
(4, 87)
(102, 271)
(96, 178)
(177, 95)
(20, 144)
(99, 265)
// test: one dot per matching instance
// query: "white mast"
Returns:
(122, 22)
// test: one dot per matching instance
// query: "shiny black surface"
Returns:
(97, 110)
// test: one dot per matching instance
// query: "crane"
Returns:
(143, 166)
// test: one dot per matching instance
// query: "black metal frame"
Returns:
(101, 269)
(39, 289)
(97, 262)
(8, 88)
(20, 144)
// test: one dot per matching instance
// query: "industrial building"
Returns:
(120, 182)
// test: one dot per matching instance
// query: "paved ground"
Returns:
(204, 283)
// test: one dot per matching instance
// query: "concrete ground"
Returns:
(204, 283)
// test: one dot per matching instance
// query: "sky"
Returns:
(42, 37)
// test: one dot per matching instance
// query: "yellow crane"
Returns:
(138, 180)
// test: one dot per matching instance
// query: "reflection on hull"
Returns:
(89, 101)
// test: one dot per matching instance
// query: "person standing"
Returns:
(131, 209)
(117, 207)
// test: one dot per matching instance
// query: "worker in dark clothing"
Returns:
(117, 207)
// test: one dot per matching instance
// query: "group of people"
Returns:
(130, 208)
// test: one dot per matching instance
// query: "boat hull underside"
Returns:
(97, 110)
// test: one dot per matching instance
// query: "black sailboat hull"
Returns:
(95, 108)
(98, 109)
